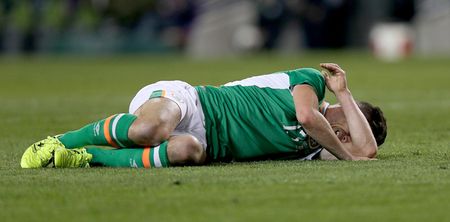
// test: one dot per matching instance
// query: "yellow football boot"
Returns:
(40, 154)
(72, 158)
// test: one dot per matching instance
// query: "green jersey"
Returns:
(255, 118)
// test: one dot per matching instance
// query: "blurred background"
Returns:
(66, 63)
(391, 29)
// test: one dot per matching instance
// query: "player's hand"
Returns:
(335, 80)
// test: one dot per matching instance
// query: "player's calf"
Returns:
(111, 131)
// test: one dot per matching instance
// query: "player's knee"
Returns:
(195, 152)
(186, 150)
(149, 133)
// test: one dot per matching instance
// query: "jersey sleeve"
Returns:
(308, 76)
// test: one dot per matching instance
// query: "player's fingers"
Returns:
(327, 70)
(338, 71)
(325, 73)
(326, 65)
(331, 66)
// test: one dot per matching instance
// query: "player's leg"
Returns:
(178, 150)
(155, 112)
(157, 118)
(111, 131)
(185, 150)
(152, 124)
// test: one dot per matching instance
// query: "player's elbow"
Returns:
(370, 150)
(306, 118)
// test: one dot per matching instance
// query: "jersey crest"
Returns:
(313, 144)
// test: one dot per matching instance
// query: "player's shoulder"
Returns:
(281, 79)
(304, 72)
(309, 76)
(297, 76)
(272, 80)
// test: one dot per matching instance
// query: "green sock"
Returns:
(112, 131)
(136, 157)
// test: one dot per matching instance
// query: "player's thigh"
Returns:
(156, 120)
(161, 109)
(185, 150)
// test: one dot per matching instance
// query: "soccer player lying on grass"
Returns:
(275, 116)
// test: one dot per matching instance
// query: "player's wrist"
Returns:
(344, 93)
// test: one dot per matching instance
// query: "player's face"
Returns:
(336, 118)
(335, 115)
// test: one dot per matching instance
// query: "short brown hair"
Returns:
(376, 120)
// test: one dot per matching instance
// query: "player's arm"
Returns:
(315, 124)
(363, 142)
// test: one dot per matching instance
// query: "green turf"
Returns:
(46, 96)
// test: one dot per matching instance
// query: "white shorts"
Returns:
(186, 97)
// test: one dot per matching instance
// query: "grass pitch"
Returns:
(47, 96)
